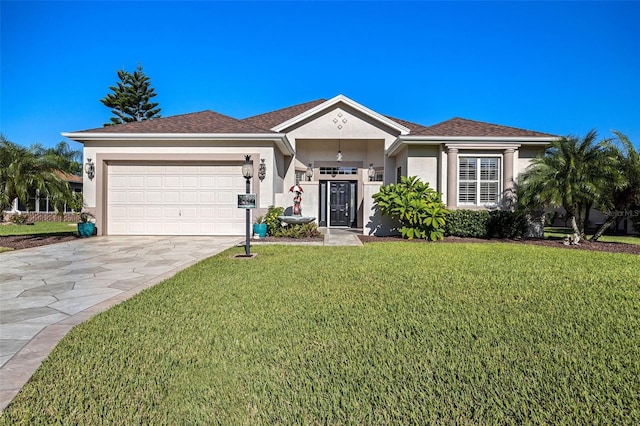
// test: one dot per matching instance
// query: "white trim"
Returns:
(353, 104)
(478, 180)
(280, 139)
(469, 142)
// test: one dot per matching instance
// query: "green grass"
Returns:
(39, 228)
(560, 232)
(392, 333)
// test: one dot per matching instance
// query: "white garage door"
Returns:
(174, 199)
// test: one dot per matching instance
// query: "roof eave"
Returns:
(402, 141)
(279, 139)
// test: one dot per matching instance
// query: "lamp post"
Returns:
(247, 172)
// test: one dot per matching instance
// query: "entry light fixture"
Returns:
(339, 156)
(309, 172)
(371, 173)
(262, 170)
(247, 167)
(90, 169)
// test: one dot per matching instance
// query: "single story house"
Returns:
(180, 175)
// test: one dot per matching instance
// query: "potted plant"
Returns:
(86, 227)
(260, 227)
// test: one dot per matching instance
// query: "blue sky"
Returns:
(557, 67)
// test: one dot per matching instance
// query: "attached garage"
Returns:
(171, 198)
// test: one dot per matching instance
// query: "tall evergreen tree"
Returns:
(131, 98)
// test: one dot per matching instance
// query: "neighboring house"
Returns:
(43, 210)
(181, 175)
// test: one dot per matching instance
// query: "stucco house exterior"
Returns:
(180, 175)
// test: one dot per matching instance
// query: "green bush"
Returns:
(271, 219)
(418, 208)
(19, 218)
(302, 230)
(485, 224)
(506, 224)
(468, 223)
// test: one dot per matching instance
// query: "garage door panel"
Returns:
(166, 199)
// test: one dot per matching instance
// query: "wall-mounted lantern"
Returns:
(90, 169)
(262, 170)
(371, 173)
(309, 172)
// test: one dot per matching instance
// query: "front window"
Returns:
(478, 180)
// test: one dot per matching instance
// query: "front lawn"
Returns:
(38, 228)
(391, 333)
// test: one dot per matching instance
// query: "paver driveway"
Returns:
(46, 291)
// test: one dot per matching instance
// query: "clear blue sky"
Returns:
(557, 67)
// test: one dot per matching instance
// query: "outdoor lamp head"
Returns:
(371, 172)
(262, 170)
(309, 172)
(90, 169)
(247, 167)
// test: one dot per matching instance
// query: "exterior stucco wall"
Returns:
(165, 151)
(525, 155)
(402, 162)
(423, 161)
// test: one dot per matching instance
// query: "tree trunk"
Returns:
(574, 224)
(607, 223)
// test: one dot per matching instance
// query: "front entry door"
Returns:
(339, 204)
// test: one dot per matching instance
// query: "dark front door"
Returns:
(339, 204)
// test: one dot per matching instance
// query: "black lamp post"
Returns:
(247, 172)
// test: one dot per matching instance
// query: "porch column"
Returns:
(507, 177)
(452, 174)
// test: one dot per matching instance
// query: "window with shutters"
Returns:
(478, 180)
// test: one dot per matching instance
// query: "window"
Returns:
(478, 180)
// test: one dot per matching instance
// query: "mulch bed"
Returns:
(18, 242)
(584, 245)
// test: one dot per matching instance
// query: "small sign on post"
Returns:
(246, 201)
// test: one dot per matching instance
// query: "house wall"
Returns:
(402, 162)
(524, 156)
(423, 161)
(190, 151)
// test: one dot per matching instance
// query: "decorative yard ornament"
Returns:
(297, 199)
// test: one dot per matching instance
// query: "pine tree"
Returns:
(130, 100)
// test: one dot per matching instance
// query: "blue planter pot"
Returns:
(86, 229)
(260, 229)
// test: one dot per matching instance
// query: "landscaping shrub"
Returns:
(271, 219)
(506, 224)
(485, 224)
(302, 230)
(19, 218)
(467, 223)
(418, 208)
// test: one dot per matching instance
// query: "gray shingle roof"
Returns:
(213, 122)
(197, 122)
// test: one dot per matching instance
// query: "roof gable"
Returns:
(197, 122)
(330, 104)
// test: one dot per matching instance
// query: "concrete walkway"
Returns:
(46, 291)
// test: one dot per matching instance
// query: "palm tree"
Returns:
(24, 174)
(572, 174)
(625, 193)
(66, 159)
